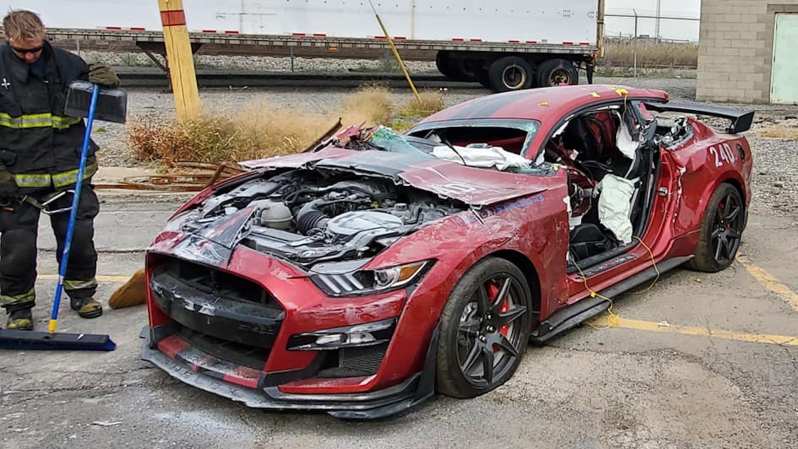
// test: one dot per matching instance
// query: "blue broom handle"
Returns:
(73, 214)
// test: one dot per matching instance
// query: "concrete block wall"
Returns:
(736, 49)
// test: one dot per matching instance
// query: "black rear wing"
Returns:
(741, 120)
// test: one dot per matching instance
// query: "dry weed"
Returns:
(780, 132)
(261, 131)
(369, 105)
(620, 53)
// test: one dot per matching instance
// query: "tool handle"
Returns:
(52, 326)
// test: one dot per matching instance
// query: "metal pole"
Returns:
(241, 19)
(600, 31)
(635, 43)
(657, 33)
(396, 53)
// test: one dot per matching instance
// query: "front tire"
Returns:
(485, 329)
(721, 231)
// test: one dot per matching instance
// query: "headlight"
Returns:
(361, 335)
(370, 281)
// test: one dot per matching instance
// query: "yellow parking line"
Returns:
(111, 278)
(770, 282)
(614, 321)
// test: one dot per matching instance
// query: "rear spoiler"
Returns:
(741, 120)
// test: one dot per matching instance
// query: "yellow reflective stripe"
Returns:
(64, 122)
(78, 285)
(70, 177)
(62, 179)
(31, 181)
(46, 120)
(7, 300)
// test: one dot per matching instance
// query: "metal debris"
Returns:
(181, 177)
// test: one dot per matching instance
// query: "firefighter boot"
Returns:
(86, 307)
(20, 317)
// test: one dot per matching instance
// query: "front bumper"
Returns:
(359, 406)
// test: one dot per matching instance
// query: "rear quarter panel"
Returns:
(702, 163)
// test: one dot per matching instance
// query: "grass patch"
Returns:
(261, 131)
(779, 132)
(650, 54)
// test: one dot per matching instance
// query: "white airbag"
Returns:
(615, 206)
(482, 157)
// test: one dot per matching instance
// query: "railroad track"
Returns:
(155, 78)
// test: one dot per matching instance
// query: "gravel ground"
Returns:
(265, 63)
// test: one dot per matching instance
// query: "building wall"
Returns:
(736, 52)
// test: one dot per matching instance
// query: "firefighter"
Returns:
(39, 158)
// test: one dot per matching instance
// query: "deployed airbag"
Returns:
(482, 157)
(615, 206)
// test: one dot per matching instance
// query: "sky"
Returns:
(99, 13)
(670, 29)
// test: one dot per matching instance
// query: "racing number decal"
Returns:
(723, 155)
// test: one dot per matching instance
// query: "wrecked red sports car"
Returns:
(363, 276)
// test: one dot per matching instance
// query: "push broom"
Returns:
(112, 107)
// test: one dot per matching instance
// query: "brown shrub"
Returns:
(370, 105)
(255, 133)
(261, 131)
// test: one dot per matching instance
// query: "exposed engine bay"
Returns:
(309, 217)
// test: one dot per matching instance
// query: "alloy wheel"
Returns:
(727, 229)
(489, 334)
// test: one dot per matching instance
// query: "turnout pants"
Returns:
(18, 232)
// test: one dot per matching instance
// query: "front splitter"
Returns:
(357, 406)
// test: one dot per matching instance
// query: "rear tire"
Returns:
(510, 73)
(721, 231)
(557, 72)
(484, 329)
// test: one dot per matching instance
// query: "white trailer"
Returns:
(504, 44)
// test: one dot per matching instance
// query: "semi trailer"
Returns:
(505, 45)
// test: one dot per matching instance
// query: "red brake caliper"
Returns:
(493, 292)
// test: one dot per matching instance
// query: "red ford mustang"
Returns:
(363, 276)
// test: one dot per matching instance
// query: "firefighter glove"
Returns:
(8, 187)
(103, 75)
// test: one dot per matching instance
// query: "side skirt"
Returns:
(581, 311)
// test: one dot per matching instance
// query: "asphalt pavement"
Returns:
(696, 361)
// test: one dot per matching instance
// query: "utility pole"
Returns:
(657, 33)
(635, 42)
(241, 19)
(180, 59)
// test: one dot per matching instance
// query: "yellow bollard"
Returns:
(180, 59)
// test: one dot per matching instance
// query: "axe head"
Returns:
(111, 104)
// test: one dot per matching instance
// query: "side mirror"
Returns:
(111, 104)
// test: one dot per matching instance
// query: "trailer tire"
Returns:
(510, 73)
(556, 72)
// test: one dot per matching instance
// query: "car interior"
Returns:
(611, 155)
(612, 159)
